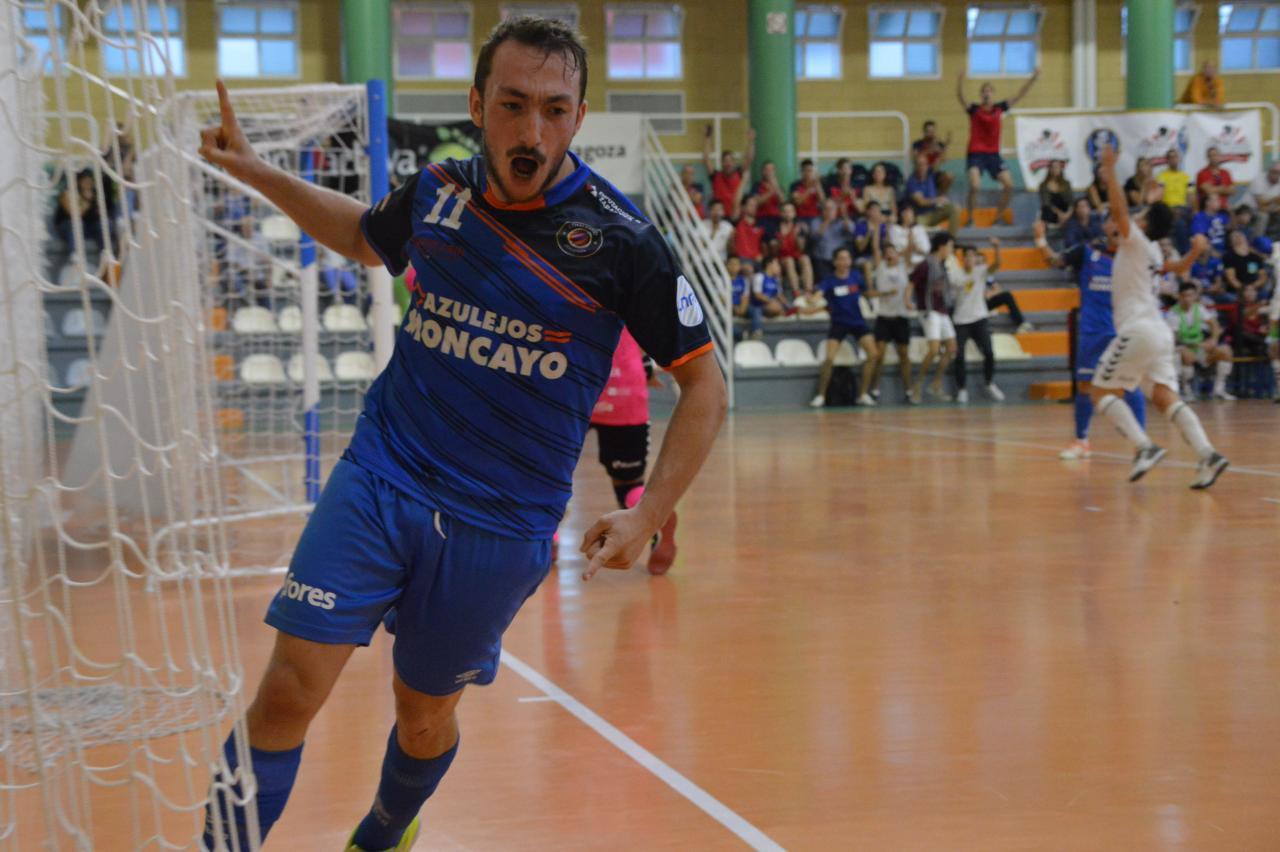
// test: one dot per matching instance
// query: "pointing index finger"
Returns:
(224, 106)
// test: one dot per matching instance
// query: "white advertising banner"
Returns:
(1077, 139)
(610, 144)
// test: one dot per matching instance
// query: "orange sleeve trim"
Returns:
(532, 204)
(685, 359)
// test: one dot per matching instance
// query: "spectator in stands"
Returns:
(930, 293)
(718, 230)
(744, 307)
(1137, 187)
(998, 297)
(908, 237)
(843, 292)
(1264, 198)
(1205, 88)
(1082, 227)
(1213, 179)
(1199, 342)
(726, 183)
(889, 280)
(935, 153)
(1055, 195)
(81, 198)
(931, 204)
(748, 237)
(791, 241)
(839, 185)
(1207, 274)
(1273, 341)
(881, 192)
(1176, 184)
(807, 195)
(244, 272)
(1243, 265)
(1243, 219)
(970, 318)
(766, 290)
(769, 198)
(874, 225)
(1213, 222)
(1097, 192)
(984, 140)
(697, 195)
(1252, 340)
(834, 231)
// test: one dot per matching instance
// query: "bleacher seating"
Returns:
(792, 352)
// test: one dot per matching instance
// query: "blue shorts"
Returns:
(989, 163)
(447, 590)
(1089, 349)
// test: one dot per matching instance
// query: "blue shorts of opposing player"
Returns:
(1089, 349)
(446, 589)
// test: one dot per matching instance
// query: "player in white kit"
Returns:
(1142, 350)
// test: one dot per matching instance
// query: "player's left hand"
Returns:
(616, 541)
(1107, 156)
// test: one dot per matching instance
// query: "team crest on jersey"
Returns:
(579, 239)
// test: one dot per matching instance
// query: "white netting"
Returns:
(119, 669)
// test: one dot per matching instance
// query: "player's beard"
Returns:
(493, 174)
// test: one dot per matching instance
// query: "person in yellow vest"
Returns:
(1205, 88)
(1198, 338)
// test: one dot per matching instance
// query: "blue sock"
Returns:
(406, 783)
(275, 771)
(1084, 411)
(1138, 403)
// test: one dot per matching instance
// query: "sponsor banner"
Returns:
(1077, 139)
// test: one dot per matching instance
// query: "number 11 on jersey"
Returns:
(454, 219)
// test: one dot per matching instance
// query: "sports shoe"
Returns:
(1144, 460)
(664, 548)
(818, 401)
(405, 844)
(1209, 470)
(995, 392)
(939, 394)
(1076, 450)
(962, 396)
(1221, 393)
(875, 394)
(1025, 328)
(913, 398)
(866, 399)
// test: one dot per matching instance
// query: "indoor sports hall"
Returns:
(830, 426)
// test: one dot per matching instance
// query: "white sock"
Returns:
(1187, 372)
(1224, 370)
(1188, 425)
(1121, 416)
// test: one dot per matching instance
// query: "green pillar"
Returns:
(1149, 54)
(771, 80)
(366, 42)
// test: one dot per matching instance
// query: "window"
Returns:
(1004, 40)
(258, 39)
(152, 47)
(905, 41)
(818, 44)
(1249, 36)
(564, 12)
(643, 42)
(1184, 28)
(39, 29)
(433, 41)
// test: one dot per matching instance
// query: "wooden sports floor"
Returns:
(886, 630)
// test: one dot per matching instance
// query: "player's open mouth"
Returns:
(524, 167)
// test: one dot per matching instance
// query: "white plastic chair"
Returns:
(262, 369)
(343, 318)
(917, 349)
(868, 309)
(280, 230)
(354, 367)
(793, 352)
(1007, 348)
(285, 275)
(752, 354)
(291, 319)
(253, 320)
(79, 374)
(848, 355)
(322, 368)
(74, 323)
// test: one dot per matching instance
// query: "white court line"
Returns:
(711, 806)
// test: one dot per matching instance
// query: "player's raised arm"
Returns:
(1115, 192)
(1199, 245)
(1026, 87)
(330, 217)
(964, 105)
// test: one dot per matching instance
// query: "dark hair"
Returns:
(1159, 221)
(940, 240)
(806, 162)
(714, 202)
(841, 162)
(1187, 285)
(875, 204)
(1242, 209)
(929, 121)
(545, 34)
(844, 249)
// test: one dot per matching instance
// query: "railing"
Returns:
(668, 206)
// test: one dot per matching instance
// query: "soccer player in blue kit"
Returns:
(1091, 264)
(439, 516)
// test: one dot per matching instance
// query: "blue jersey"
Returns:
(509, 340)
(739, 290)
(1214, 227)
(842, 295)
(766, 286)
(1092, 267)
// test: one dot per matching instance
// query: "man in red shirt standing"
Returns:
(726, 183)
(1213, 179)
(984, 140)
